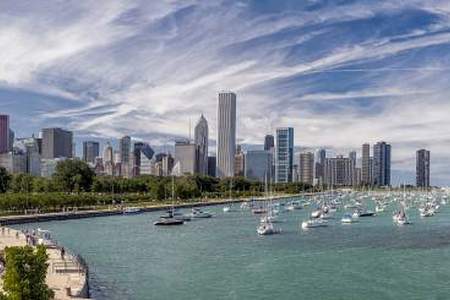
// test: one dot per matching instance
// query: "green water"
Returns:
(224, 258)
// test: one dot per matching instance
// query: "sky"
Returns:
(341, 72)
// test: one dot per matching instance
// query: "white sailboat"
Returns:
(170, 219)
(266, 226)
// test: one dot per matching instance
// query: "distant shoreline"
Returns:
(83, 214)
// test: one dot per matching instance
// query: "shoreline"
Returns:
(68, 277)
(84, 214)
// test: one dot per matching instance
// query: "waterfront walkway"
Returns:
(66, 277)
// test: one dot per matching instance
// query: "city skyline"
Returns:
(365, 85)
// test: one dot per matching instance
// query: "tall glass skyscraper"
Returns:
(91, 150)
(4, 134)
(284, 154)
(366, 168)
(269, 142)
(382, 164)
(125, 150)
(226, 134)
(201, 140)
(423, 168)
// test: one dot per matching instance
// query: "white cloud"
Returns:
(147, 67)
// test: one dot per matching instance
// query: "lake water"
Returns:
(224, 258)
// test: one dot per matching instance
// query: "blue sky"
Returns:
(341, 72)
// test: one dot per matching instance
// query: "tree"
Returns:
(5, 179)
(25, 274)
(22, 183)
(73, 176)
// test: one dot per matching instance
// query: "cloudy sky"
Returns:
(342, 72)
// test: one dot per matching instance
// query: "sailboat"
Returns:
(401, 218)
(170, 219)
(229, 207)
(265, 226)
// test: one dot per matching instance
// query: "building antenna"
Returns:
(190, 133)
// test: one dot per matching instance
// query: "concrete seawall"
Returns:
(34, 218)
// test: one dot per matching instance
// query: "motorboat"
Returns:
(244, 205)
(428, 212)
(314, 223)
(379, 208)
(294, 205)
(259, 210)
(363, 213)
(348, 219)
(197, 213)
(168, 222)
(132, 210)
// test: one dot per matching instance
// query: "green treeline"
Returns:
(74, 184)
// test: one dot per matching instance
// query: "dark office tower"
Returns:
(39, 145)
(319, 169)
(56, 143)
(124, 152)
(141, 151)
(423, 168)
(269, 142)
(382, 164)
(366, 173)
(4, 134)
(91, 150)
(212, 166)
(352, 156)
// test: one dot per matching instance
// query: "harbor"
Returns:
(223, 257)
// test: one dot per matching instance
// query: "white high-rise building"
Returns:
(226, 134)
(201, 140)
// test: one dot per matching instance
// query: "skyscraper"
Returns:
(321, 156)
(201, 140)
(56, 143)
(306, 167)
(91, 150)
(423, 168)
(12, 137)
(269, 142)
(4, 134)
(141, 151)
(339, 171)
(239, 162)
(226, 134)
(211, 166)
(258, 165)
(108, 160)
(381, 164)
(284, 154)
(186, 157)
(366, 172)
(29, 147)
(125, 150)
